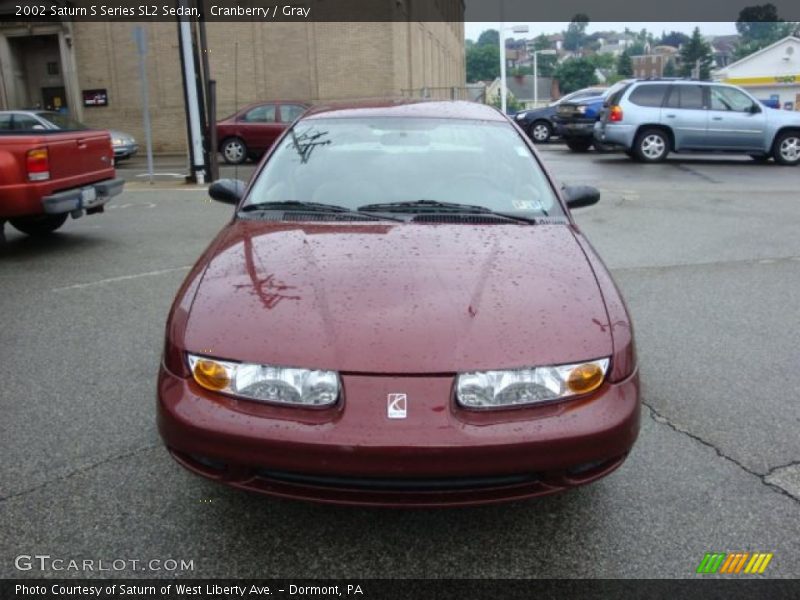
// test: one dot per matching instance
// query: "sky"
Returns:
(473, 29)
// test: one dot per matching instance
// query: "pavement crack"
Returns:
(764, 479)
(690, 171)
(78, 471)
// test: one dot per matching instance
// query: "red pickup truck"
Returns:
(47, 175)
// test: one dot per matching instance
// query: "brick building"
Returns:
(59, 64)
(654, 63)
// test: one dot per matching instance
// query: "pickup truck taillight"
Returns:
(615, 115)
(38, 165)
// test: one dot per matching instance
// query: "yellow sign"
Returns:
(775, 79)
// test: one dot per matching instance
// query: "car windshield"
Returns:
(61, 121)
(354, 162)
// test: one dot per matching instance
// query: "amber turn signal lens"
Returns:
(585, 378)
(211, 375)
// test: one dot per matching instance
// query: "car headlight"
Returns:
(264, 383)
(581, 109)
(501, 389)
(519, 116)
(117, 141)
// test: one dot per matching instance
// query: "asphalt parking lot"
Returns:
(707, 253)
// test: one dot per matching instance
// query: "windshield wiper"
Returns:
(416, 205)
(309, 206)
(429, 206)
(291, 204)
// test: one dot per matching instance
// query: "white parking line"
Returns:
(78, 286)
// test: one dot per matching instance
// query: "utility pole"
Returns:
(140, 35)
(189, 75)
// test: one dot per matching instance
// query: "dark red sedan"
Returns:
(251, 131)
(401, 312)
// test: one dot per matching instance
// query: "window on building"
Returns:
(52, 68)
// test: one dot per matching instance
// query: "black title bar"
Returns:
(397, 589)
(492, 11)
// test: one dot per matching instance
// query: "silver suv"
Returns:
(651, 118)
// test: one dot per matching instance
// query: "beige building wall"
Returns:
(254, 61)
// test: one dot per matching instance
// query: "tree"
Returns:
(546, 65)
(574, 74)
(758, 27)
(637, 48)
(601, 61)
(696, 52)
(542, 42)
(483, 63)
(490, 37)
(669, 68)
(512, 104)
(676, 39)
(575, 35)
(625, 65)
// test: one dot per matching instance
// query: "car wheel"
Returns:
(787, 148)
(234, 151)
(652, 145)
(40, 224)
(540, 132)
(579, 144)
(760, 158)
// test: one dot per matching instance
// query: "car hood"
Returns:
(398, 298)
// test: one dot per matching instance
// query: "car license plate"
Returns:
(88, 197)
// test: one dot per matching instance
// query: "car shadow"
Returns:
(614, 160)
(18, 245)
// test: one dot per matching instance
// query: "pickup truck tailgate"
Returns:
(87, 153)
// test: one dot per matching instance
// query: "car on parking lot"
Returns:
(575, 121)
(651, 118)
(401, 311)
(538, 122)
(48, 174)
(249, 132)
(124, 144)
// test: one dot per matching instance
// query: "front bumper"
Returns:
(574, 128)
(440, 455)
(125, 150)
(86, 198)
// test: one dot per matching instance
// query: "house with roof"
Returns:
(723, 48)
(772, 73)
(520, 87)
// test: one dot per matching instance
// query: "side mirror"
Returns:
(755, 109)
(227, 191)
(578, 196)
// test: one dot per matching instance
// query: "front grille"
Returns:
(399, 484)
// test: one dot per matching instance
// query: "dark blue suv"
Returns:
(574, 121)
